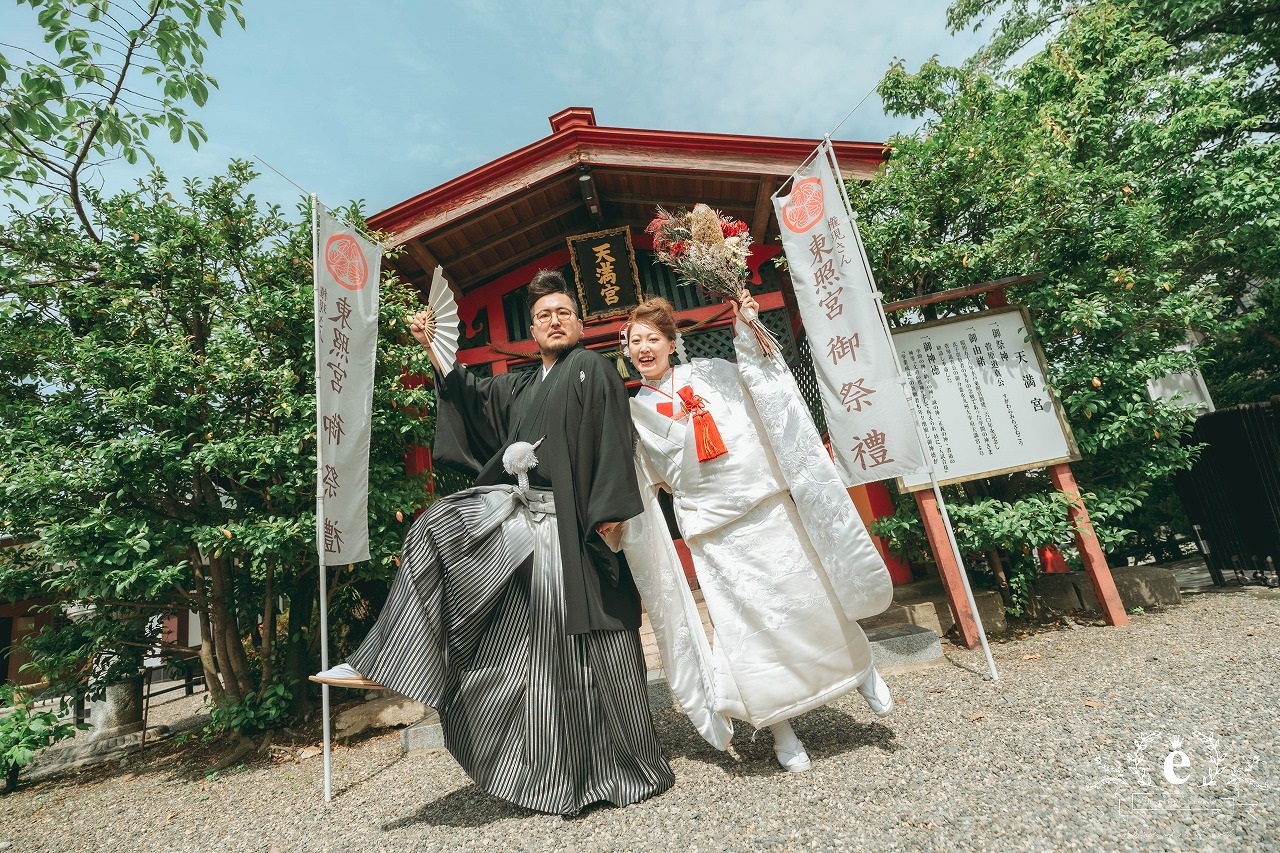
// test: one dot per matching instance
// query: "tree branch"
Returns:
(1239, 24)
(87, 146)
(39, 156)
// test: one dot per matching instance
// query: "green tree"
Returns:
(1235, 45)
(24, 731)
(158, 436)
(1138, 186)
(156, 405)
(116, 72)
(1202, 35)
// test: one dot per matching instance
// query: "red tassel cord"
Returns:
(706, 435)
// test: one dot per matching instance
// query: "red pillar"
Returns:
(1095, 562)
(873, 502)
(1051, 559)
(686, 562)
(948, 568)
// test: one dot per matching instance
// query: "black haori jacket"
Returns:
(586, 460)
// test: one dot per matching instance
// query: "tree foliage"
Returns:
(158, 435)
(114, 73)
(1225, 194)
(1135, 180)
(1204, 36)
(24, 731)
(157, 405)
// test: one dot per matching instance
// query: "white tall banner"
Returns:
(873, 433)
(346, 314)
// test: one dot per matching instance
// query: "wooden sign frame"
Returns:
(1030, 342)
(591, 307)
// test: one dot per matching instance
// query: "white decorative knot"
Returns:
(519, 458)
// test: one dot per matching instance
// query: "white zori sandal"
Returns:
(788, 748)
(343, 675)
(794, 762)
(877, 694)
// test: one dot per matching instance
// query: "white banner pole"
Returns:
(911, 403)
(322, 568)
(964, 574)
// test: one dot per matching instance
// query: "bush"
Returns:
(256, 712)
(24, 731)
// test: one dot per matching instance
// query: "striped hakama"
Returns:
(474, 626)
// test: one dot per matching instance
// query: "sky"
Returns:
(385, 99)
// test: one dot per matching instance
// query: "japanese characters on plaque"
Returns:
(346, 335)
(604, 268)
(869, 420)
(978, 382)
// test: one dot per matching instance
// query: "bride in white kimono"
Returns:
(783, 560)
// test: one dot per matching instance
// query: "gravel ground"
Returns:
(1067, 751)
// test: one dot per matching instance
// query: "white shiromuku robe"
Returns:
(784, 561)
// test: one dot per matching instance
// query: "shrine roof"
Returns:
(583, 178)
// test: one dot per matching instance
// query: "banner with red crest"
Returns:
(872, 429)
(347, 269)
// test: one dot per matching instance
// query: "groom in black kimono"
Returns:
(511, 614)
(579, 404)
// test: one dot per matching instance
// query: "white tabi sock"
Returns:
(784, 737)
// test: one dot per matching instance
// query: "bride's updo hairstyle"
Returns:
(656, 313)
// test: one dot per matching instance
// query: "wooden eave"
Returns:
(513, 210)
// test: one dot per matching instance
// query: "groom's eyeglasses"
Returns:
(543, 317)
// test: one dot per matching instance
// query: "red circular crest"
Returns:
(804, 206)
(345, 261)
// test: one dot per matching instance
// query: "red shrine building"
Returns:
(579, 200)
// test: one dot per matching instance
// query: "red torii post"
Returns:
(1095, 561)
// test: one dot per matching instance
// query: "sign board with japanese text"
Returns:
(869, 419)
(604, 267)
(978, 381)
(346, 329)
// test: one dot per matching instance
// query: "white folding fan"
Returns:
(444, 320)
